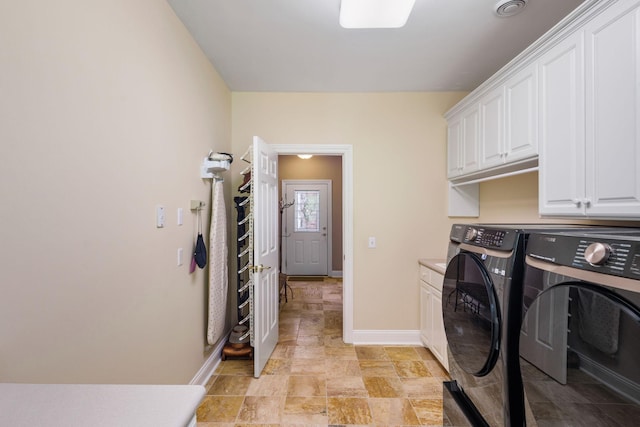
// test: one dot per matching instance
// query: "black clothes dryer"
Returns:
(580, 334)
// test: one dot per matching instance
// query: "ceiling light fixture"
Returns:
(305, 156)
(375, 13)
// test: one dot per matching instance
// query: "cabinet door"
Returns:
(612, 58)
(439, 339)
(492, 149)
(426, 320)
(561, 128)
(454, 142)
(521, 115)
(470, 136)
(462, 148)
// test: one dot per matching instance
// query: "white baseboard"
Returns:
(387, 337)
(209, 366)
(336, 273)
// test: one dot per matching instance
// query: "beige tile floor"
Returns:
(313, 378)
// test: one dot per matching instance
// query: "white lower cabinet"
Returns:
(426, 319)
(431, 324)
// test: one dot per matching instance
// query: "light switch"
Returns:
(160, 216)
(180, 216)
(372, 242)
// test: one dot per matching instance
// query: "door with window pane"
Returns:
(305, 227)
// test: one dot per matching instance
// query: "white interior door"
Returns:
(306, 230)
(264, 187)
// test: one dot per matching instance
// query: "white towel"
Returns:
(218, 274)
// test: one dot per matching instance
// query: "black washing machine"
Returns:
(580, 336)
(481, 300)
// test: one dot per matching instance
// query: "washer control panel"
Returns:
(613, 255)
(606, 257)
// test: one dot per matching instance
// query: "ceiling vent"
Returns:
(506, 8)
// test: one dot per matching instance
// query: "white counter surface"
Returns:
(435, 264)
(98, 405)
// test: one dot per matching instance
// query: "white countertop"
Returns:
(98, 405)
(435, 264)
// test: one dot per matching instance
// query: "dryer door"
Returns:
(471, 314)
(579, 355)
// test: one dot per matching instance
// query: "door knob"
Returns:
(259, 268)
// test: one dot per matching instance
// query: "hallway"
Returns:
(313, 378)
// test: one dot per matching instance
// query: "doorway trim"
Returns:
(346, 152)
(329, 224)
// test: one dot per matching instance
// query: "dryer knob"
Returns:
(597, 253)
(471, 233)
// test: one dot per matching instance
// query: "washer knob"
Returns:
(471, 233)
(597, 253)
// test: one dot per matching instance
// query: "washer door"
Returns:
(471, 314)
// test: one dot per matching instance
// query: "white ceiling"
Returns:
(299, 46)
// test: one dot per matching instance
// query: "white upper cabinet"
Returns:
(492, 147)
(493, 131)
(463, 142)
(496, 130)
(569, 105)
(454, 142)
(612, 75)
(562, 127)
(509, 121)
(590, 117)
(521, 115)
(471, 130)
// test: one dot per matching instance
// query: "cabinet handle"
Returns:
(577, 202)
(587, 203)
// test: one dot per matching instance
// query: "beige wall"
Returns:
(320, 167)
(400, 186)
(399, 151)
(108, 108)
